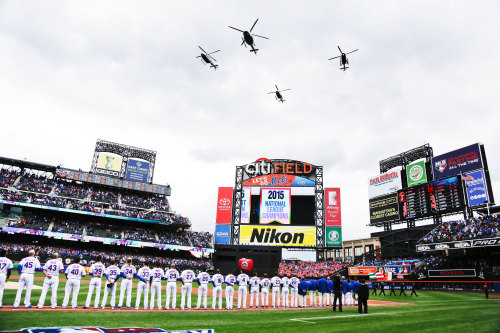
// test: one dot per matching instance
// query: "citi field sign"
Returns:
(265, 166)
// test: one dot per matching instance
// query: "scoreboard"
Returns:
(438, 197)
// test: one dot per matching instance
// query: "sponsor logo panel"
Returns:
(278, 235)
(384, 209)
(446, 273)
(334, 236)
(224, 205)
(457, 162)
(416, 174)
(389, 182)
(477, 190)
(332, 207)
(222, 233)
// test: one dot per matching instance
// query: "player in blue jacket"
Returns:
(355, 286)
(330, 290)
(323, 291)
(303, 288)
(313, 286)
(345, 289)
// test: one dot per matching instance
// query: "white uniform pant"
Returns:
(72, 288)
(126, 287)
(295, 297)
(217, 292)
(242, 296)
(302, 300)
(25, 280)
(265, 297)
(155, 291)
(348, 299)
(171, 291)
(95, 283)
(142, 287)
(202, 292)
(324, 299)
(284, 294)
(229, 296)
(186, 291)
(3, 277)
(51, 284)
(105, 295)
(276, 295)
(312, 296)
(254, 292)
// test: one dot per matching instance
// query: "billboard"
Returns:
(275, 206)
(137, 170)
(332, 207)
(278, 180)
(222, 233)
(109, 164)
(245, 205)
(334, 236)
(384, 209)
(477, 190)
(389, 182)
(416, 174)
(277, 235)
(447, 273)
(365, 270)
(224, 205)
(457, 162)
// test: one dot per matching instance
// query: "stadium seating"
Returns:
(311, 269)
(482, 227)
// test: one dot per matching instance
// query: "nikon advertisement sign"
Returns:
(277, 235)
(334, 236)
(416, 174)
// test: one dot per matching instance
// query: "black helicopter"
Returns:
(278, 94)
(343, 58)
(248, 39)
(206, 57)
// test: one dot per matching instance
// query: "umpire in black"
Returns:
(382, 289)
(337, 293)
(363, 293)
(374, 284)
(392, 290)
(402, 292)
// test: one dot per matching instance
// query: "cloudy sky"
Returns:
(125, 71)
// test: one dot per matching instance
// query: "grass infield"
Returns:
(430, 312)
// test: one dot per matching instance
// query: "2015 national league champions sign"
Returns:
(279, 202)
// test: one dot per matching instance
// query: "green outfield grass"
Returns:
(430, 312)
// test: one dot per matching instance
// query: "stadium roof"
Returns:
(27, 165)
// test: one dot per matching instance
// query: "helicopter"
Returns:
(248, 39)
(343, 58)
(207, 58)
(278, 94)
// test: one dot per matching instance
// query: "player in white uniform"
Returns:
(143, 286)
(276, 283)
(265, 283)
(157, 274)
(112, 274)
(172, 275)
(203, 280)
(97, 272)
(128, 272)
(187, 278)
(285, 292)
(74, 274)
(242, 281)
(254, 290)
(51, 269)
(229, 281)
(5, 270)
(217, 281)
(294, 283)
(26, 268)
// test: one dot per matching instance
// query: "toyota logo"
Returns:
(224, 201)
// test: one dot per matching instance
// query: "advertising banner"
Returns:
(277, 235)
(457, 162)
(332, 207)
(222, 233)
(278, 180)
(366, 270)
(275, 205)
(334, 236)
(224, 205)
(384, 209)
(416, 174)
(477, 190)
(458, 244)
(447, 273)
(109, 164)
(389, 182)
(137, 170)
(397, 269)
(245, 205)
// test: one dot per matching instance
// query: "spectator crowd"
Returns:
(310, 269)
(481, 227)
